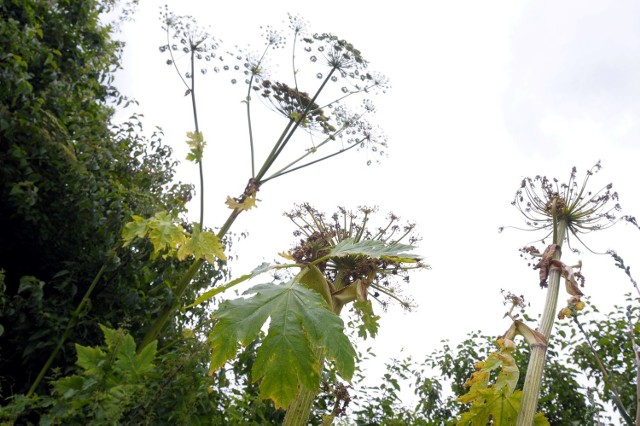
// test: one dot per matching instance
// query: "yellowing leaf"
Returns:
(285, 359)
(202, 245)
(164, 234)
(286, 255)
(246, 204)
(497, 404)
(499, 409)
(196, 143)
(137, 228)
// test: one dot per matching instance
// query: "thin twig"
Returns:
(605, 375)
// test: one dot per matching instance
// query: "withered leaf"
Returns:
(545, 263)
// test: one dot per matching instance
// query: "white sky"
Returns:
(483, 94)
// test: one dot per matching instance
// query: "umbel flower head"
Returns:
(185, 36)
(295, 105)
(380, 275)
(545, 202)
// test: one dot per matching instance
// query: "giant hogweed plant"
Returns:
(328, 112)
(305, 327)
(565, 212)
(329, 118)
(341, 261)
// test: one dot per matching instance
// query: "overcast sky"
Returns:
(483, 94)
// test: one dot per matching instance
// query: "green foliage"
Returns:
(369, 322)
(300, 321)
(304, 327)
(112, 380)
(441, 376)
(69, 180)
(612, 336)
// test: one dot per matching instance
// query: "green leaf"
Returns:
(33, 285)
(374, 248)
(144, 360)
(300, 322)
(69, 386)
(130, 363)
(540, 420)
(90, 358)
(111, 337)
(285, 357)
(370, 321)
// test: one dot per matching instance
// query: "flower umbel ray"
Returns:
(544, 202)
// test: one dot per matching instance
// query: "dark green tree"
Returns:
(69, 180)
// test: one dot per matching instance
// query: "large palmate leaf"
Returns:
(500, 408)
(301, 325)
(374, 248)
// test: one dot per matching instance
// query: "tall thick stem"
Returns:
(300, 408)
(531, 389)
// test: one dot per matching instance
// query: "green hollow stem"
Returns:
(299, 410)
(533, 379)
(70, 325)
